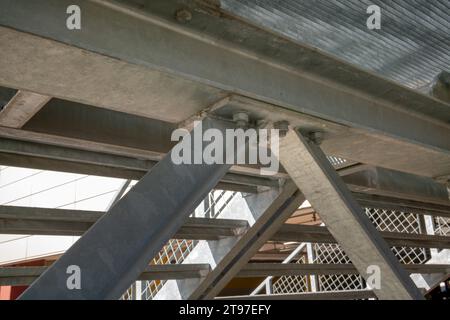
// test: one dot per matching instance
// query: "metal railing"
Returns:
(442, 226)
(383, 220)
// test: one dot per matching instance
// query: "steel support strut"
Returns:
(118, 247)
(266, 225)
(313, 174)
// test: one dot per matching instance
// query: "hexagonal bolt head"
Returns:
(282, 126)
(241, 119)
(316, 137)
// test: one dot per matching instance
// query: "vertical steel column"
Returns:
(311, 258)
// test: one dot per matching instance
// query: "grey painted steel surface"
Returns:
(397, 184)
(6, 94)
(325, 295)
(302, 269)
(101, 125)
(313, 84)
(267, 221)
(52, 152)
(213, 252)
(227, 256)
(305, 233)
(391, 203)
(44, 221)
(75, 159)
(98, 125)
(14, 276)
(24, 276)
(113, 253)
(319, 182)
(411, 47)
(21, 108)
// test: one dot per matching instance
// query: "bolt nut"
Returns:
(183, 15)
(282, 126)
(261, 123)
(316, 137)
(241, 119)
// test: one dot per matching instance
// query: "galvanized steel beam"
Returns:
(312, 173)
(222, 54)
(115, 251)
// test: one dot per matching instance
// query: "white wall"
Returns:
(49, 189)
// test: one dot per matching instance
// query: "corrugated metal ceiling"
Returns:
(412, 46)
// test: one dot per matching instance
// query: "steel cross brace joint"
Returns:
(313, 174)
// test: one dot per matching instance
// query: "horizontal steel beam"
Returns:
(305, 269)
(267, 222)
(324, 295)
(174, 271)
(24, 161)
(304, 233)
(49, 152)
(24, 276)
(218, 53)
(90, 126)
(311, 171)
(405, 205)
(396, 184)
(45, 221)
(211, 229)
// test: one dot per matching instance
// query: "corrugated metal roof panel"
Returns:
(412, 46)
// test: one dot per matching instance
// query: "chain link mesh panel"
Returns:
(383, 220)
(442, 226)
(329, 253)
(398, 221)
(130, 294)
(291, 284)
